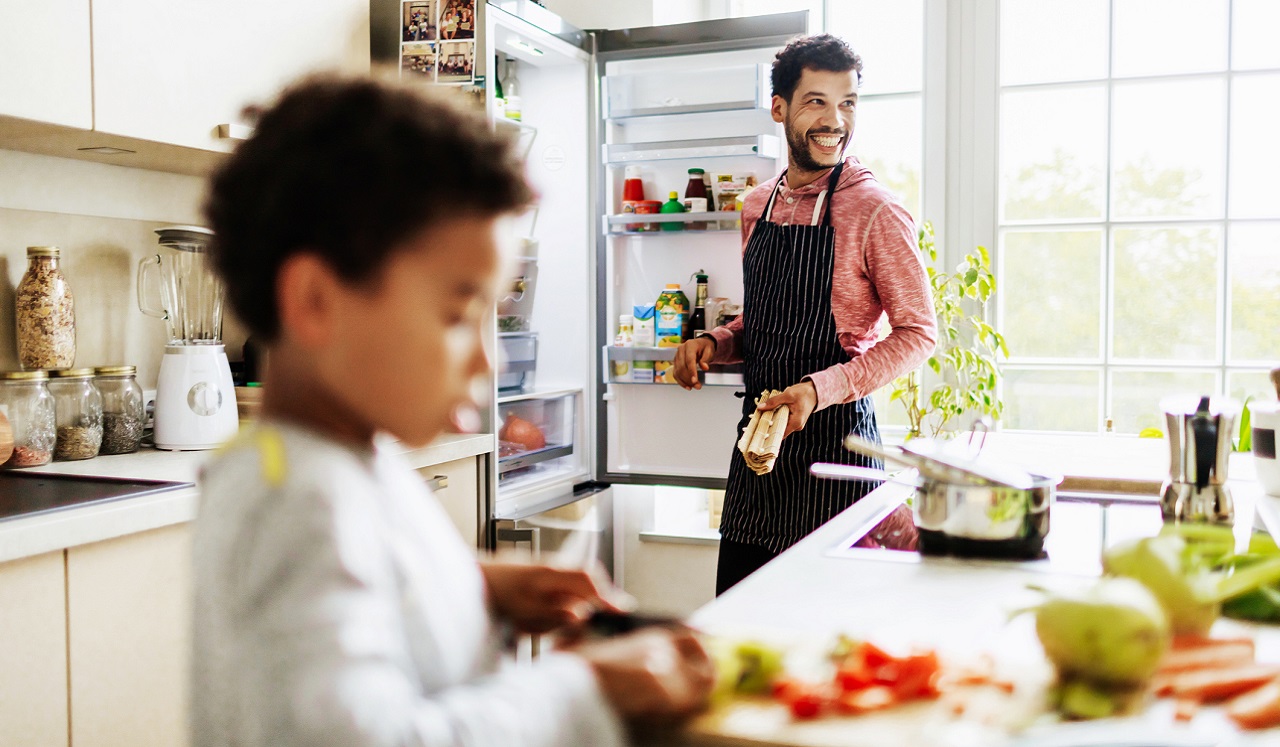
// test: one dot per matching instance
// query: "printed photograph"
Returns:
(418, 62)
(418, 21)
(457, 62)
(458, 20)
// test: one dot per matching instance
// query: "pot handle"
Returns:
(1204, 432)
(145, 265)
(847, 472)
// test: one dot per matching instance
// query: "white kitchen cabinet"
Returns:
(44, 62)
(33, 651)
(129, 622)
(172, 72)
(456, 485)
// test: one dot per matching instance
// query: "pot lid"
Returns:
(185, 238)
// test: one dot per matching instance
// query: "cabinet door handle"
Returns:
(234, 131)
(439, 482)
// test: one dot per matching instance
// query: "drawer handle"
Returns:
(439, 482)
(234, 131)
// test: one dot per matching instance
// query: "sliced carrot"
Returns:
(1216, 656)
(1257, 709)
(1185, 709)
(1183, 642)
(1210, 685)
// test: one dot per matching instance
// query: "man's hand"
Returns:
(539, 598)
(801, 399)
(691, 357)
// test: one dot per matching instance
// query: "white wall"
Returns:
(103, 218)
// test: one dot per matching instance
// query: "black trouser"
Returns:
(737, 561)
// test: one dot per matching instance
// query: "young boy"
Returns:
(357, 234)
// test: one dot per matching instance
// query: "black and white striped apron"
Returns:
(789, 332)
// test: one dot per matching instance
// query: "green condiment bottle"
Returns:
(672, 205)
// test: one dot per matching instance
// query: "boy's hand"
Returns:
(539, 598)
(654, 676)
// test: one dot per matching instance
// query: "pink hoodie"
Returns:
(877, 271)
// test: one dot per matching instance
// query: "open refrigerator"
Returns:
(593, 103)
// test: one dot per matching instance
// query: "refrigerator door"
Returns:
(574, 531)
(671, 99)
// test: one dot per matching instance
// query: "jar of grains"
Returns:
(45, 313)
(123, 411)
(78, 408)
(26, 401)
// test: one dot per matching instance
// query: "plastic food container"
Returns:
(519, 359)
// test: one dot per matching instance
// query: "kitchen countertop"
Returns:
(813, 591)
(56, 530)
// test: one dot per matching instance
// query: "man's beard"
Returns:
(798, 143)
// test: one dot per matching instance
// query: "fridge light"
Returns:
(526, 46)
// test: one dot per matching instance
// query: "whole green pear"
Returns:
(1112, 633)
(1157, 563)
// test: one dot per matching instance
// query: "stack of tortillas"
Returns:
(762, 437)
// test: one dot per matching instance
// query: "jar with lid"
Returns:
(45, 312)
(78, 411)
(695, 197)
(123, 409)
(27, 403)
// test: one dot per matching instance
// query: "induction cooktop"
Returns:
(25, 494)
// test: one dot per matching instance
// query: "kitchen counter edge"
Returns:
(58, 530)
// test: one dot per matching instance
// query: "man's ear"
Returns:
(306, 295)
(778, 109)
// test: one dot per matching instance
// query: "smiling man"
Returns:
(827, 250)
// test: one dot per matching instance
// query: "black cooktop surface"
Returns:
(25, 494)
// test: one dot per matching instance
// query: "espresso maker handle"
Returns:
(1204, 432)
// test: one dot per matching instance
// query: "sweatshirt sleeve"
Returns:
(897, 274)
(320, 649)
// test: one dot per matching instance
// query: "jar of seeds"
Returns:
(78, 411)
(123, 411)
(27, 404)
(45, 313)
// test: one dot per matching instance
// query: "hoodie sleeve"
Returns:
(896, 273)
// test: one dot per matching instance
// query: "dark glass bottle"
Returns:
(698, 320)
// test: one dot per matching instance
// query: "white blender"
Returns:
(195, 397)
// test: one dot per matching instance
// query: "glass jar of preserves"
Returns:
(45, 313)
(123, 409)
(78, 414)
(27, 404)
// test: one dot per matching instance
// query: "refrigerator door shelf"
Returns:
(762, 146)
(716, 222)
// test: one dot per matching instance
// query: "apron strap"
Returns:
(832, 181)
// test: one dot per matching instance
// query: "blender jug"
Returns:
(191, 293)
(1200, 431)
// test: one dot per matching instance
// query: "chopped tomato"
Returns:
(874, 656)
(917, 676)
(868, 699)
(808, 704)
(854, 676)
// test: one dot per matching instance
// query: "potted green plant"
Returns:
(966, 361)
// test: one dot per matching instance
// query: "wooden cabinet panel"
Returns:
(33, 651)
(129, 602)
(44, 61)
(460, 496)
(172, 72)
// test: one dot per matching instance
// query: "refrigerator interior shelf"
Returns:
(536, 393)
(716, 379)
(620, 353)
(659, 93)
(720, 221)
(763, 146)
(527, 458)
(514, 124)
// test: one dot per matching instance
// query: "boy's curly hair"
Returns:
(819, 52)
(348, 169)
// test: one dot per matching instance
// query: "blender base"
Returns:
(195, 399)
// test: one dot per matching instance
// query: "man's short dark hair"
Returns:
(349, 169)
(819, 52)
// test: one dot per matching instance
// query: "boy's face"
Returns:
(411, 341)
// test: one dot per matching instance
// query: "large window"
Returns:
(1139, 221)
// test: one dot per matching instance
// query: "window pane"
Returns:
(1156, 37)
(1254, 267)
(1053, 153)
(1051, 293)
(1253, 34)
(888, 414)
(1255, 147)
(1136, 395)
(1168, 153)
(1044, 41)
(1255, 384)
(1051, 400)
(1165, 294)
(888, 36)
(886, 138)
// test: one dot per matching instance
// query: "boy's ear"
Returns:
(305, 292)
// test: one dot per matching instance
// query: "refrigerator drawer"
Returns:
(536, 435)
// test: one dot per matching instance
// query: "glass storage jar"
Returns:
(45, 313)
(26, 401)
(78, 412)
(123, 409)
